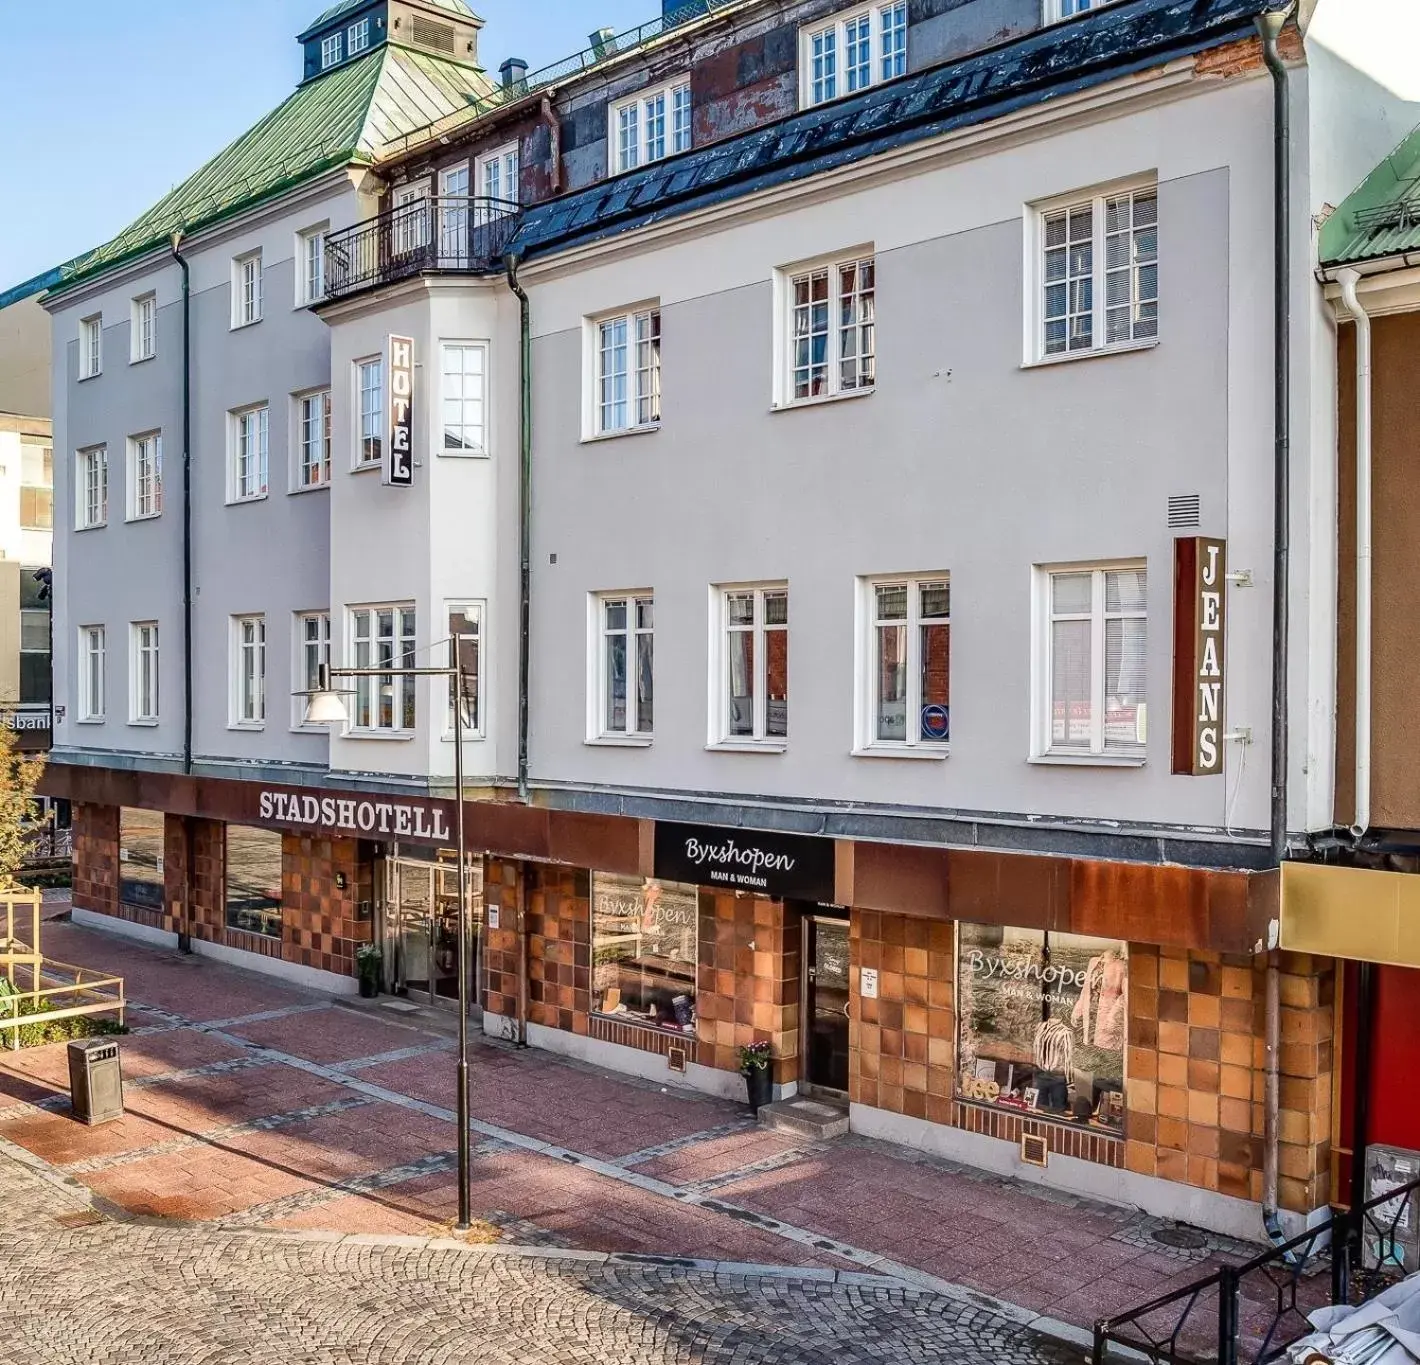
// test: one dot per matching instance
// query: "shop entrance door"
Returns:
(825, 1006)
(420, 933)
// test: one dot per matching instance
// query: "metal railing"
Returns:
(446, 233)
(1251, 1313)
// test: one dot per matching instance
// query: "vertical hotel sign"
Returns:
(1199, 648)
(399, 449)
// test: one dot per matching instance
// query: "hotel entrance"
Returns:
(419, 924)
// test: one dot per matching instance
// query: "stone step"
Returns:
(804, 1117)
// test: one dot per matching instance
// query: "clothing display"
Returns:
(1054, 1046)
(1103, 1006)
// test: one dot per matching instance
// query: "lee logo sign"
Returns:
(1199, 652)
(399, 449)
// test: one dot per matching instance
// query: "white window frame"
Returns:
(720, 656)
(310, 265)
(91, 493)
(303, 679)
(331, 50)
(786, 310)
(1095, 200)
(246, 289)
(401, 641)
(1054, 11)
(381, 433)
(599, 635)
(506, 162)
(648, 136)
(144, 483)
(92, 676)
(643, 381)
(1100, 752)
(883, 63)
(240, 488)
(91, 346)
(143, 328)
(301, 480)
(447, 383)
(144, 679)
(474, 612)
(248, 641)
(868, 673)
(357, 37)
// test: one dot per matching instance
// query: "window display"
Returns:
(1042, 1022)
(140, 858)
(254, 880)
(644, 938)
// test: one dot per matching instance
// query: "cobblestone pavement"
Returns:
(81, 1289)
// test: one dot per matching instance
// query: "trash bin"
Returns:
(95, 1080)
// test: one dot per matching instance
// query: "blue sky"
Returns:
(104, 110)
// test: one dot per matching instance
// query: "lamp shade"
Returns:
(325, 708)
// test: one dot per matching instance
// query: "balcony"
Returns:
(427, 236)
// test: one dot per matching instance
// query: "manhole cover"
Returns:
(1185, 1239)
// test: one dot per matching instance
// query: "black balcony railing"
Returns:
(423, 236)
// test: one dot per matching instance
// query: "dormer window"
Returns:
(357, 37)
(1056, 10)
(855, 49)
(329, 51)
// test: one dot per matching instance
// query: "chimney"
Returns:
(600, 40)
(513, 72)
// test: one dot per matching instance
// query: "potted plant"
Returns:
(367, 965)
(755, 1059)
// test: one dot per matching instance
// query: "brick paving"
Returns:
(254, 1104)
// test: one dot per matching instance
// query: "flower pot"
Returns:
(759, 1081)
(369, 986)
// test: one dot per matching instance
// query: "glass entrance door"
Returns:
(421, 928)
(825, 956)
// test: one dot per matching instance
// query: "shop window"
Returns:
(140, 858)
(1042, 1021)
(644, 937)
(254, 880)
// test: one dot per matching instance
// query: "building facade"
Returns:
(841, 441)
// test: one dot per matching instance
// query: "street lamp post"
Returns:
(325, 707)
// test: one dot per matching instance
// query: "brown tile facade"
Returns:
(321, 923)
(559, 926)
(502, 893)
(96, 858)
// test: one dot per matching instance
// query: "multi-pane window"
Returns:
(852, 51)
(1096, 658)
(383, 637)
(627, 665)
(311, 265)
(650, 126)
(1064, 9)
(313, 439)
(910, 652)
(466, 652)
(755, 681)
(1100, 272)
(329, 50)
(357, 37)
(91, 673)
(249, 666)
(628, 371)
(143, 339)
(312, 650)
(498, 175)
(91, 488)
(370, 388)
(145, 475)
(246, 289)
(831, 329)
(91, 347)
(143, 683)
(465, 380)
(250, 429)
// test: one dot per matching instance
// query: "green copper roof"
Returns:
(341, 117)
(1382, 216)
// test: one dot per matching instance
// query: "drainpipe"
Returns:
(1270, 27)
(554, 132)
(1348, 280)
(511, 263)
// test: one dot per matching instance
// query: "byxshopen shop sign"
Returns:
(1199, 654)
(796, 866)
(399, 449)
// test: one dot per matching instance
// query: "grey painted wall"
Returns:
(24, 359)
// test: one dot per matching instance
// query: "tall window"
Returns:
(454, 242)
(253, 862)
(628, 371)
(498, 174)
(625, 668)
(312, 650)
(370, 386)
(831, 327)
(465, 381)
(357, 37)
(313, 439)
(466, 651)
(755, 677)
(650, 125)
(91, 346)
(143, 323)
(910, 650)
(1099, 284)
(246, 289)
(249, 671)
(248, 463)
(383, 637)
(329, 50)
(145, 475)
(311, 265)
(91, 673)
(1096, 660)
(853, 50)
(91, 488)
(143, 681)
(645, 937)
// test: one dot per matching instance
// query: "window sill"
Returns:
(89, 720)
(1087, 760)
(791, 404)
(95, 526)
(382, 736)
(932, 753)
(648, 429)
(240, 502)
(242, 326)
(145, 723)
(637, 1021)
(309, 488)
(144, 516)
(311, 730)
(469, 737)
(620, 741)
(367, 466)
(1095, 353)
(471, 454)
(253, 725)
(84, 378)
(748, 746)
(142, 359)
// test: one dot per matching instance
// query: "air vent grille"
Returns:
(1034, 1152)
(1184, 510)
(426, 33)
(675, 1059)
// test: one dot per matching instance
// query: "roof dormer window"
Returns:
(357, 37)
(329, 51)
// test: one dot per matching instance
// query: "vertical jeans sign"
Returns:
(399, 450)
(1199, 654)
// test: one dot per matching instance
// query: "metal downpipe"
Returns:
(511, 262)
